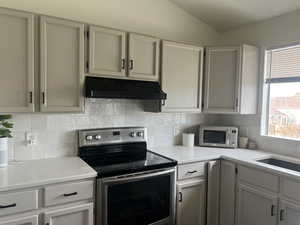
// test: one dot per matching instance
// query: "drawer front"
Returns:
(191, 170)
(290, 188)
(64, 193)
(258, 178)
(18, 202)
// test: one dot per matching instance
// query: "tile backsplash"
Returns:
(56, 133)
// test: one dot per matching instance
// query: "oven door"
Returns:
(142, 198)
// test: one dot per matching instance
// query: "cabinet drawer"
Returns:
(190, 170)
(259, 178)
(290, 188)
(64, 193)
(18, 202)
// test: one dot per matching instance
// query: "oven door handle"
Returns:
(136, 177)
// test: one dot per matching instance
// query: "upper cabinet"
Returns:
(62, 65)
(143, 57)
(231, 80)
(181, 77)
(107, 52)
(112, 56)
(16, 61)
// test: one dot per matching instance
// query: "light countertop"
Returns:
(184, 155)
(44, 171)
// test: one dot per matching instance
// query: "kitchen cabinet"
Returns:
(16, 61)
(181, 77)
(112, 56)
(289, 213)
(231, 80)
(78, 215)
(23, 220)
(227, 192)
(256, 206)
(213, 192)
(62, 65)
(143, 62)
(107, 52)
(191, 202)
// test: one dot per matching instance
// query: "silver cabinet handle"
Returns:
(44, 98)
(123, 64)
(131, 64)
(281, 215)
(272, 210)
(191, 172)
(30, 97)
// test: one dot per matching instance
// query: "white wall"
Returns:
(278, 31)
(155, 17)
(56, 133)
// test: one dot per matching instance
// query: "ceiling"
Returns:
(224, 15)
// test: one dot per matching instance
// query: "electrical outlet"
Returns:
(176, 131)
(30, 138)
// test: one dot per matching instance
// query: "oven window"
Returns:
(214, 137)
(139, 202)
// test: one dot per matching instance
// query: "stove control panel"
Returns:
(111, 135)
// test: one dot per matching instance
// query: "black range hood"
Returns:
(96, 87)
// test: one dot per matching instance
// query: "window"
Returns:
(282, 86)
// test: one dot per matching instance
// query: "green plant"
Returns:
(5, 126)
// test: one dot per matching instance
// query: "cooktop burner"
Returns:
(117, 151)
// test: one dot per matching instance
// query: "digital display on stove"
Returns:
(116, 133)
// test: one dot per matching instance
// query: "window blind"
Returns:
(284, 65)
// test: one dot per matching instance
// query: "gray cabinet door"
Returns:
(107, 52)
(16, 61)
(62, 65)
(30, 220)
(181, 76)
(289, 213)
(222, 77)
(227, 193)
(213, 190)
(191, 202)
(77, 215)
(256, 207)
(143, 59)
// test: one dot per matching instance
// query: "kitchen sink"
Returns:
(281, 163)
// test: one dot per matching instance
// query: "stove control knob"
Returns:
(89, 137)
(140, 134)
(132, 134)
(98, 137)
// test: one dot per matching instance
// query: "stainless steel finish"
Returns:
(111, 136)
(103, 184)
(231, 137)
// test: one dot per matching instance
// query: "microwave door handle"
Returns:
(115, 180)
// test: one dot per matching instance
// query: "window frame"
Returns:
(266, 83)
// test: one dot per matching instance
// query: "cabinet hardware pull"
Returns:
(236, 102)
(281, 216)
(180, 196)
(47, 223)
(131, 64)
(43, 98)
(123, 64)
(8, 206)
(191, 172)
(163, 102)
(70, 194)
(30, 97)
(272, 210)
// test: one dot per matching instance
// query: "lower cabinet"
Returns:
(256, 207)
(191, 202)
(78, 215)
(30, 220)
(289, 213)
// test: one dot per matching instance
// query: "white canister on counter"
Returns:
(3, 152)
(188, 139)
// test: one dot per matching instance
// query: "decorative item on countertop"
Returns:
(188, 139)
(5, 133)
(252, 145)
(243, 142)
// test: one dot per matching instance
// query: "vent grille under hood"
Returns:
(96, 87)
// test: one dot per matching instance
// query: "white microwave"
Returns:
(224, 137)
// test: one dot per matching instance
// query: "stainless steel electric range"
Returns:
(134, 185)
